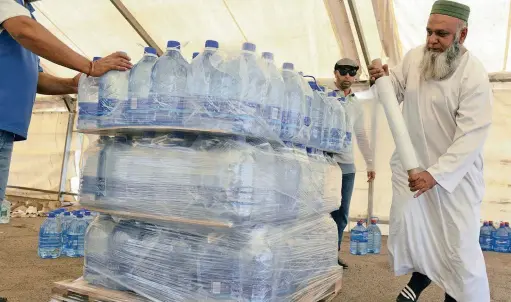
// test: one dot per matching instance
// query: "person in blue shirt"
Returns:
(22, 41)
(345, 71)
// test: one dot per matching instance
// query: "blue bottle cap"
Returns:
(314, 85)
(248, 46)
(150, 50)
(268, 55)
(51, 215)
(195, 54)
(79, 215)
(288, 66)
(211, 43)
(96, 58)
(67, 213)
(174, 44)
(87, 213)
(310, 150)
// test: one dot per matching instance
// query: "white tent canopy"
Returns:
(313, 34)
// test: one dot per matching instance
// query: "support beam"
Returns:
(343, 30)
(136, 26)
(387, 29)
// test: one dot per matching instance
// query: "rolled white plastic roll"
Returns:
(397, 124)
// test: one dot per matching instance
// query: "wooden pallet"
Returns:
(80, 291)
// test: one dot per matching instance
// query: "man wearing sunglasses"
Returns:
(345, 71)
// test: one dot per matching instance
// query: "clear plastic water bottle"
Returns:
(113, 98)
(88, 217)
(374, 237)
(273, 94)
(5, 211)
(338, 126)
(50, 246)
(218, 268)
(485, 237)
(241, 186)
(307, 119)
(65, 222)
(288, 182)
(226, 93)
(493, 232)
(252, 94)
(139, 110)
(76, 237)
(168, 90)
(501, 239)
(317, 117)
(292, 116)
(328, 113)
(88, 89)
(358, 240)
(205, 109)
(257, 267)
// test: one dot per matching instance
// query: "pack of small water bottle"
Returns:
(238, 92)
(495, 239)
(62, 234)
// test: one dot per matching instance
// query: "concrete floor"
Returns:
(26, 278)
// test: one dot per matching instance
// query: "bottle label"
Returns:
(133, 103)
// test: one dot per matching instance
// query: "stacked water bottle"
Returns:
(240, 216)
(495, 239)
(63, 233)
(241, 93)
(364, 240)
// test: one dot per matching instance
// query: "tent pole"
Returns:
(65, 158)
(136, 26)
(365, 52)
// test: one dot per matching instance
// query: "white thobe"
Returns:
(448, 121)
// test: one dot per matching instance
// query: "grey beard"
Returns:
(438, 66)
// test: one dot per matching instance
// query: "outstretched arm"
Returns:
(50, 85)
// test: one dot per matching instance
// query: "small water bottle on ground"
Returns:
(358, 240)
(5, 211)
(485, 237)
(76, 237)
(65, 221)
(50, 238)
(374, 237)
(501, 239)
(493, 231)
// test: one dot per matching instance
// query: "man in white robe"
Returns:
(447, 107)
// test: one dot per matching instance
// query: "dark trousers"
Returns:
(341, 216)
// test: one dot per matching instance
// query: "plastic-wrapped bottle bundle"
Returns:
(328, 116)
(180, 262)
(292, 115)
(200, 86)
(317, 116)
(169, 87)
(88, 89)
(273, 101)
(113, 98)
(139, 110)
(288, 178)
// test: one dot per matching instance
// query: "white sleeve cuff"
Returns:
(10, 9)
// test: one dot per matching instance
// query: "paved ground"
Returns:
(26, 278)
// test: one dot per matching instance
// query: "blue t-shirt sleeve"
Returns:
(39, 65)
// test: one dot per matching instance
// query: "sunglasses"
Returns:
(343, 72)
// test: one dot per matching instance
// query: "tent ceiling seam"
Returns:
(234, 20)
(507, 39)
(133, 22)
